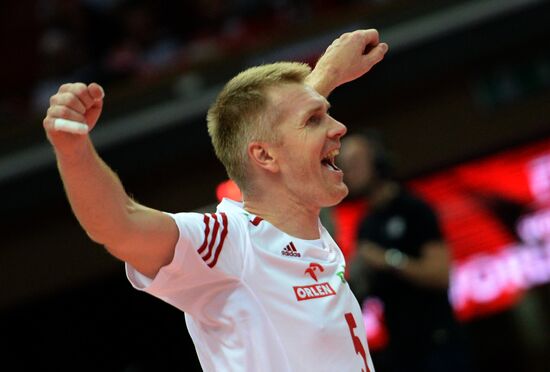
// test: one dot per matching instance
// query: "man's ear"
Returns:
(260, 154)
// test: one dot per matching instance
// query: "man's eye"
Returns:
(315, 119)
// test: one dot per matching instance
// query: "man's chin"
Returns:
(339, 197)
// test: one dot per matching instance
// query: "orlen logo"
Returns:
(309, 292)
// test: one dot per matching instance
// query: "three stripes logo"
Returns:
(290, 250)
(215, 231)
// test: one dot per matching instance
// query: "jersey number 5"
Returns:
(359, 349)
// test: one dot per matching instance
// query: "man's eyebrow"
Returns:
(318, 107)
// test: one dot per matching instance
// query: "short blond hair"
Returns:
(240, 113)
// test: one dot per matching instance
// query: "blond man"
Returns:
(260, 281)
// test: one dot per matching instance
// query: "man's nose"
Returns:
(337, 129)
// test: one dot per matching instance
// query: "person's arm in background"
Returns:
(348, 57)
(431, 269)
(131, 232)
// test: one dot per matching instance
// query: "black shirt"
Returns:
(416, 317)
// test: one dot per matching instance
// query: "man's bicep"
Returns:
(150, 240)
(208, 256)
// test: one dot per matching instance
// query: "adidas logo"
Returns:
(290, 250)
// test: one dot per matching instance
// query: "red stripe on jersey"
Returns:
(256, 221)
(213, 237)
(206, 232)
(219, 247)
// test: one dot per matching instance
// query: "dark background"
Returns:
(462, 79)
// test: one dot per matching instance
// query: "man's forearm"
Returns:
(95, 194)
(431, 269)
(349, 57)
(424, 274)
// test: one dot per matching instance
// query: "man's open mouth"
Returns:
(329, 161)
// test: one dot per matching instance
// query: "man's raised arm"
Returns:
(141, 236)
(348, 57)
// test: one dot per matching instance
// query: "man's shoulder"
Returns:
(235, 211)
(227, 215)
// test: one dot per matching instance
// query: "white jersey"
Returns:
(258, 299)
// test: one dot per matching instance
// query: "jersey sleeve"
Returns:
(209, 255)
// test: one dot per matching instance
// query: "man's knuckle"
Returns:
(79, 89)
(70, 99)
(356, 36)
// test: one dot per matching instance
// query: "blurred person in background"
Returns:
(402, 259)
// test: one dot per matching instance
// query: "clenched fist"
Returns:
(73, 112)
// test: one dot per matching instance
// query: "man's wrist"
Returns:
(396, 259)
(320, 81)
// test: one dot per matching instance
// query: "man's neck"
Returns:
(292, 218)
